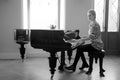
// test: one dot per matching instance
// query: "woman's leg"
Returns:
(85, 64)
(77, 57)
(80, 50)
(73, 66)
(90, 64)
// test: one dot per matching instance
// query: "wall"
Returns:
(11, 18)
(76, 15)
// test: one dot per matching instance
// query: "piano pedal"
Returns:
(51, 78)
(69, 61)
(22, 60)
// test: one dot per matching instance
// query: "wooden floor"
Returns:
(38, 69)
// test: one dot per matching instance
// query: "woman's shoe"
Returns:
(84, 66)
(60, 68)
(102, 70)
(89, 72)
(102, 74)
(72, 67)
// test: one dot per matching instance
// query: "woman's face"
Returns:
(91, 17)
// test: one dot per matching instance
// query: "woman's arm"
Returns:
(95, 32)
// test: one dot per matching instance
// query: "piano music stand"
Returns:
(21, 36)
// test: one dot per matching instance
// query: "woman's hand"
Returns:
(77, 43)
(85, 38)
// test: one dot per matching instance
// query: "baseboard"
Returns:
(16, 55)
(9, 55)
(112, 52)
(44, 54)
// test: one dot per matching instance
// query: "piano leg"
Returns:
(69, 53)
(22, 51)
(52, 63)
(62, 61)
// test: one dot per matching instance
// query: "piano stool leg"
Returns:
(62, 63)
(52, 63)
(101, 67)
(22, 51)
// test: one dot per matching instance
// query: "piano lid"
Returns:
(48, 39)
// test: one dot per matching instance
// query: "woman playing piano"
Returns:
(96, 44)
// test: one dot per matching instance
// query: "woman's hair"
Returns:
(91, 11)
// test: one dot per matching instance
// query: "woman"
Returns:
(96, 44)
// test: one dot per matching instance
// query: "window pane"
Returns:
(113, 16)
(99, 8)
(25, 14)
(43, 13)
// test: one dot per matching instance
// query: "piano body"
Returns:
(48, 40)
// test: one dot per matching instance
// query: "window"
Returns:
(112, 14)
(99, 8)
(41, 14)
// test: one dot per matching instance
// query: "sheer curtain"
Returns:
(113, 16)
(113, 19)
(42, 14)
(99, 8)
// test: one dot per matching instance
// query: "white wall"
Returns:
(11, 18)
(76, 15)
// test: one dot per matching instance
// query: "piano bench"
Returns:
(96, 55)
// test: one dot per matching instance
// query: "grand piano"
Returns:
(51, 41)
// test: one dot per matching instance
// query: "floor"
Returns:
(38, 69)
